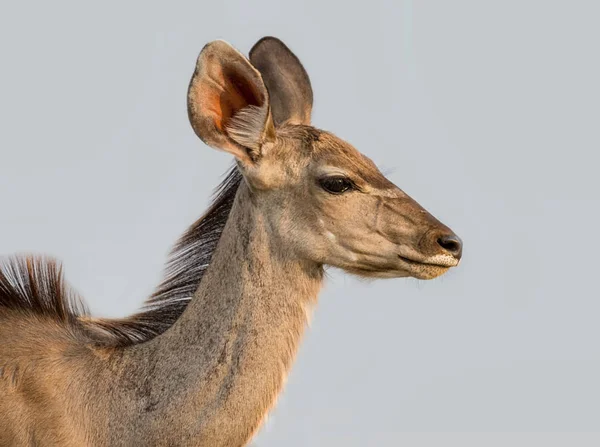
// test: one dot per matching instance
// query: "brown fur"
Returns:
(204, 361)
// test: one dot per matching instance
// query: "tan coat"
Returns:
(204, 361)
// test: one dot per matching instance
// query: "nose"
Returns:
(451, 244)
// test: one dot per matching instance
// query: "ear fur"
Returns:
(228, 103)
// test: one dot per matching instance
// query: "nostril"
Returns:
(452, 244)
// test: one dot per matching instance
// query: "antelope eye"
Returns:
(336, 185)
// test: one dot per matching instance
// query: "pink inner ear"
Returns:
(230, 92)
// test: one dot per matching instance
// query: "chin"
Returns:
(429, 272)
(422, 271)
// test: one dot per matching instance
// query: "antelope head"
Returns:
(323, 200)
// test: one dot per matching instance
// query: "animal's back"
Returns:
(42, 380)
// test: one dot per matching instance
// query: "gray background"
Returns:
(486, 112)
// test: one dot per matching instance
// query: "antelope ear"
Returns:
(228, 103)
(286, 80)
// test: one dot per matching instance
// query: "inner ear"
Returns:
(236, 95)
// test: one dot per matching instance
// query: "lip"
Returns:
(412, 262)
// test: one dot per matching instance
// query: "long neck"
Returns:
(214, 375)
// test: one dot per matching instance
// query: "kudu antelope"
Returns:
(203, 362)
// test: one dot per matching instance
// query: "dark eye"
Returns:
(336, 185)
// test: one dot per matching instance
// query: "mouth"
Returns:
(439, 261)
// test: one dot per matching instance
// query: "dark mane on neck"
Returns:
(36, 286)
